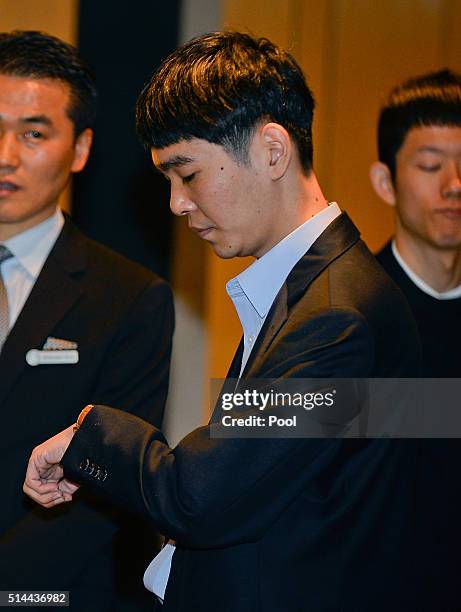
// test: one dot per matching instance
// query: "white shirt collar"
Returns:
(262, 280)
(451, 294)
(31, 248)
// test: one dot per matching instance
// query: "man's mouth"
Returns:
(7, 187)
(451, 213)
(202, 232)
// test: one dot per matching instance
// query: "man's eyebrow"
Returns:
(43, 119)
(175, 162)
(429, 149)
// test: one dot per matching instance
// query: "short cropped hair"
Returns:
(37, 55)
(430, 99)
(218, 87)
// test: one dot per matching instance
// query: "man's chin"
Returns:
(448, 242)
(222, 253)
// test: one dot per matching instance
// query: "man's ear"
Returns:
(278, 149)
(381, 180)
(82, 147)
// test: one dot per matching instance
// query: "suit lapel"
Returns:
(338, 237)
(275, 319)
(234, 370)
(53, 294)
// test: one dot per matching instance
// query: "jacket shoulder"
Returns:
(358, 280)
(107, 261)
(99, 265)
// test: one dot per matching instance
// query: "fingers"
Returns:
(51, 493)
(39, 474)
(46, 494)
(44, 481)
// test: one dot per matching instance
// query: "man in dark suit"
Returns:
(283, 524)
(79, 322)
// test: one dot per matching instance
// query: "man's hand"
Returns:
(45, 482)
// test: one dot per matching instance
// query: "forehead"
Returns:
(445, 139)
(188, 151)
(24, 97)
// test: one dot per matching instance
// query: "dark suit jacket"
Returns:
(121, 316)
(284, 525)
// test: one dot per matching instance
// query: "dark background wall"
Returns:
(119, 199)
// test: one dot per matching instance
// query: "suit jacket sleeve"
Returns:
(214, 493)
(133, 375)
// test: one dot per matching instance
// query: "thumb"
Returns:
(67, 486)
(52, 451)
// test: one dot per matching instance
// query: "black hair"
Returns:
(218, 87)
(430, 99)
(38, 55)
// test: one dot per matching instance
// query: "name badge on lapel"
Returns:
(55, 351)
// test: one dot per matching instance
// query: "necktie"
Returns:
(4, 319)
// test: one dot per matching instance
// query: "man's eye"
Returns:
(33, 135)
(188, 178)
(429, 168)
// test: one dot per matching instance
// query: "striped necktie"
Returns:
(4, 318)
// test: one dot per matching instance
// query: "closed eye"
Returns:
(426, 168)
(188, 178)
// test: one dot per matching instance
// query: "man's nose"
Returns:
(180, 204)
(452, 184)
(9, 152)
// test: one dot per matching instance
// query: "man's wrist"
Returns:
(82, 416)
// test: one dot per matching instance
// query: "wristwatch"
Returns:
(82, 416)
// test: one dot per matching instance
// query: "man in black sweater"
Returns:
(419, 173)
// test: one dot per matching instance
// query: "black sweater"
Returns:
(438, 321)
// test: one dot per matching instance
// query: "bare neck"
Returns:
(439, 268)
(309, 197)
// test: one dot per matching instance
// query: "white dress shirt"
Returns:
(253, 292)
(30, 250)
